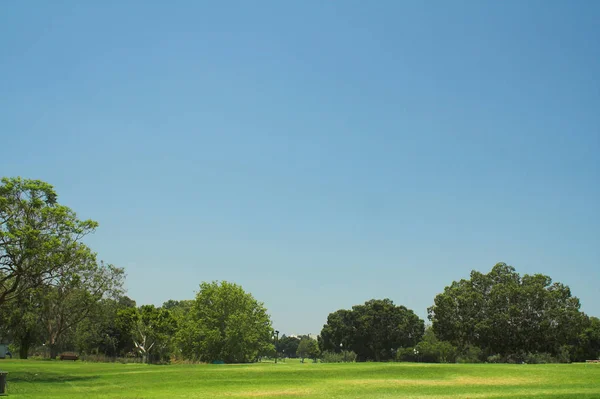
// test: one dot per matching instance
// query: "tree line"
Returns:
(55, 296)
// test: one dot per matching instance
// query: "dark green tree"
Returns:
(374, 330)
(506, 314)
(100, 332)
(287, 346)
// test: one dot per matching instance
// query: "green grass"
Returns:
(45, 379)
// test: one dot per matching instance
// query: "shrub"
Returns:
(334, 357)
(539, 358)
(564, 354)
(406, 355)
(495, 359)
(471, 354)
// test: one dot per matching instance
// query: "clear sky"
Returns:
(319, 153)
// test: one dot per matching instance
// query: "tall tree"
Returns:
(504, 313)
(374, 330)
(37, 235)
(73, 293)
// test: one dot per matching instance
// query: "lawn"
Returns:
(54, 379)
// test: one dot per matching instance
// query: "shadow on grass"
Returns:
(18, 377)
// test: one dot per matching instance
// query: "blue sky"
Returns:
(320, 154)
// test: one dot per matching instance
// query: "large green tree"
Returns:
(504, 313)
(226, 323)
(37, 235)
(374, 330)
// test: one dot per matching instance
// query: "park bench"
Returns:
(593, 361)
(69, 356)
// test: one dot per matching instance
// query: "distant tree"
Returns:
(287, 346)
(506, 314)
(73, 293)
(432, 350)
(226, 324)
(37, 235)
(588, 341)
(307, 348)
(374, 331)
(100, 332)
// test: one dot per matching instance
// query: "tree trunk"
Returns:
(53, 351)
(24, 349)
(24, 345)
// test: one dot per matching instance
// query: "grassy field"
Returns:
(49, 380)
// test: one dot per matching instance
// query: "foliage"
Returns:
(152, 331)
(470, 354)
(374, 331)
(73, 295)
(37, 235)
(588, 341)
(102, 334)
(227, 324)
(504, 313)
(429, 350)
(287, 346)
(307, 348)
(338, 357)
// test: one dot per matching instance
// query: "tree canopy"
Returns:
(504, 313)
(227, 324)
(374, 330)
(38, 236)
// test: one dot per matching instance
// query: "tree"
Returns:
(152, 334)
(100, 332)
(307, 348)
(374, 331)
(72, 294)
(288, 346)
(19, 322)
(37, 235)
(506, 314)
(432, 350)
(226, 324)
(588, 341)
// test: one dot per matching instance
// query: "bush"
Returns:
(539, 358)
(564, 354)
(406, 355)
(471, 354)
(429, 350)
(334, 357)
(435, 352)
(495, 359)
(519, 358)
